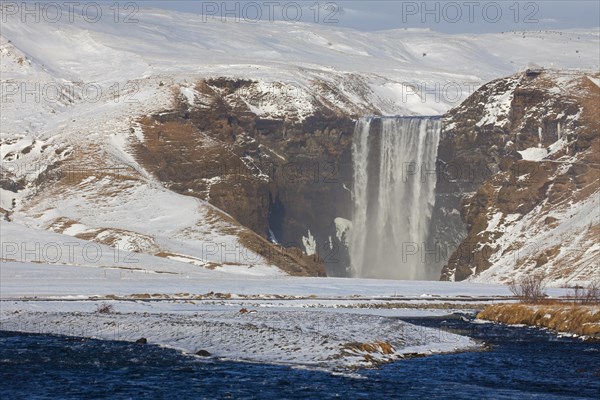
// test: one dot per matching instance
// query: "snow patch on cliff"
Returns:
(534, 153)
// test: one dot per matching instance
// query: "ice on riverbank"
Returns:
(315, 338)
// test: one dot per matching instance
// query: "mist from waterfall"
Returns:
(393, 196)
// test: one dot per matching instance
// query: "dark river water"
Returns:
(519, 363)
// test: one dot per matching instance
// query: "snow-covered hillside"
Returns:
(539, 211)
(381, 69)
(73, 94)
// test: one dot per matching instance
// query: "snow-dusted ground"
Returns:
(330, 323)
(42, 280)
(297, 337)
(315, 322)
(91, 82)
(46, 264)
(55, 282)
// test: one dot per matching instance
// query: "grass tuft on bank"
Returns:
(579, 319)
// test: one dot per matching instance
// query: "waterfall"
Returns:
(393, 196)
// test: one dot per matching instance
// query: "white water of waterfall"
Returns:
(393, 195)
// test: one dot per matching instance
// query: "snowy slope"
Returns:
(378, 68)
(575, 245)
(92, 82)
(540, 212)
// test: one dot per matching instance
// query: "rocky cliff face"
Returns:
(522, 157)
(270, 142)
(276, 162)
(517, 171)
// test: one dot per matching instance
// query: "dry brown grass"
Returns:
(61, 224)
(165, 254)
(376, 347)
(561, 317)
(291, 260)
(209, 264)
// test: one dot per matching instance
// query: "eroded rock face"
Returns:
(517, 165)
(529, 145)
(284, 178)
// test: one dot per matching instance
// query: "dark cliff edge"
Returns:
(520, 159)
(287, 176)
